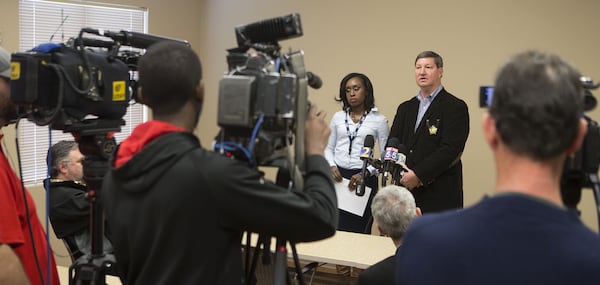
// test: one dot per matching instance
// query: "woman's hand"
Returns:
(335, 173)
(354, 182)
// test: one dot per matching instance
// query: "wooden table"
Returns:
(344, 248)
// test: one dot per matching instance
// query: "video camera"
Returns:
(263, 95)
(581, 168)
(92, 75)
(83, 87)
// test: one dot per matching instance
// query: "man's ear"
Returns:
(583, 126)
(200, 91)
(490, 134)
(140, 95)
(381, 232)
(418, 212)
(62, 167)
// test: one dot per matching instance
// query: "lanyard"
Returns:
(352, 136)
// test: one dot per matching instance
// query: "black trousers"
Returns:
(353, 223)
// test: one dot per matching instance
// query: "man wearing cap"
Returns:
(22, 237)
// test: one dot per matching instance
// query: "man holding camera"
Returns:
(21, 232)
(176, 211)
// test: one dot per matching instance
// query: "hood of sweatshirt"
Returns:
(151, 150)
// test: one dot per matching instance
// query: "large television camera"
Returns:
(263, 95)
(83, 87)
(87, 82)
(581, 168)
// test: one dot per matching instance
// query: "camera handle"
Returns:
(595, 185)
(97, 145)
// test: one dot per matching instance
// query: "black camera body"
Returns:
(56, 88)
(263, 95)
(86, 83)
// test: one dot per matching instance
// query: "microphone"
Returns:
(140, 40)
(390, 158)
(133, 39)
(365, 155)
(399, 169)
(314, 80)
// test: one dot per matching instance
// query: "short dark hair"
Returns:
(369, 94)
(537, 104)
(439, 62)
(59, 152)
(168, 74)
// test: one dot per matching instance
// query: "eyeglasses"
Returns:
(354, 88)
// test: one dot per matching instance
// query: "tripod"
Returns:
(97, 144)
(280, 273)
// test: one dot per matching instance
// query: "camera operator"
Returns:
(177, 211)
(21, 232)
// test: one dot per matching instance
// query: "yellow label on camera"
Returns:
(119, 90)
(15, 70)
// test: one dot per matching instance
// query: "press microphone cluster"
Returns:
(392, 160)
(390, 157)
(366, 154)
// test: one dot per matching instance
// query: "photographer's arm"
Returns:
(249, 203)
(11, 270)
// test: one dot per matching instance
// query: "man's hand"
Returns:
(410, 179)
(316, 132)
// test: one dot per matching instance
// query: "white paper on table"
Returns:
(349, 201)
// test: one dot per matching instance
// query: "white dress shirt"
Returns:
(336, 153)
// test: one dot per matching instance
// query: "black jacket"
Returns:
(69, 210)
(177, 212)
(380, 273)
(435, 149)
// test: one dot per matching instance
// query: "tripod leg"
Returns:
(281, 274)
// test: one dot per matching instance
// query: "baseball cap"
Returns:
(4, 63)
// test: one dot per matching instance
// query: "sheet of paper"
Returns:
(349, 201)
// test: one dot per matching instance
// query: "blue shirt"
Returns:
(424, 104)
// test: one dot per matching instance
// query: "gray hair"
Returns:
(58, 153)
(393, 209)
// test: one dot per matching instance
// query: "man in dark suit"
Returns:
(393, 209)
(434, 126)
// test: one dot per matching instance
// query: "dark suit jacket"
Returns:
(380, 273)
(434, 150)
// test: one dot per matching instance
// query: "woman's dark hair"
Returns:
(369, 94)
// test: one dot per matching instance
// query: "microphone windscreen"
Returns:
(402, 149)
(369, 141)
(367, 150)
(394, 142)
